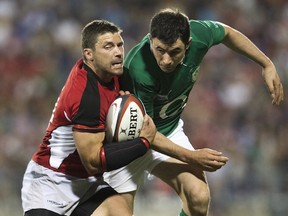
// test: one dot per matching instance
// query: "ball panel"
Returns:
(130, 122)
(111, 120)
(125, 118)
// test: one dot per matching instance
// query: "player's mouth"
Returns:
(117, 65)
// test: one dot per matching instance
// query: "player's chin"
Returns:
(167, 69)
(117, 71)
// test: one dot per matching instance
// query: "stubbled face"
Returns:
(168, 57)
(106, 59)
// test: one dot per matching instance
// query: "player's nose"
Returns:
(166, 59)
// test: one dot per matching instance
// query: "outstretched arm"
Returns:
(241, 44)
(205, 159)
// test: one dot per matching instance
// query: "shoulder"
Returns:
(81, 86)
(77, 78)
(207, 31)
(205, 24)
(140, 61)
(139, 67)
(137, 55)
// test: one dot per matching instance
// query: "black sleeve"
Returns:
(116, 155)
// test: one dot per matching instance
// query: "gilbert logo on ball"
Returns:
(124, 119)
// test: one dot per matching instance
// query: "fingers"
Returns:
(223, 159)
(215, 165)
(210, 151)
(220, 163)
(148, 129)
(145, 121)
(217, 161)
(220, 159)
(278, 94)
(218, 156)
(210, 160)
(274, 85)
(121, 92)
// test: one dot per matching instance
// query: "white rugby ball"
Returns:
(124, 119)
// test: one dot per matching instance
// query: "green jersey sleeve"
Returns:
(207, 31)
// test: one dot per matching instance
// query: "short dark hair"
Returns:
(92, 30)
(170, 24)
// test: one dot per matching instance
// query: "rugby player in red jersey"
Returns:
(64, 176)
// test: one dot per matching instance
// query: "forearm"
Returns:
(116, 155)
(241, 44)
(205, 159)
(165, 146)
(97, 157)
(238, 42)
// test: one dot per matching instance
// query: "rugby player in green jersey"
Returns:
(161, 70)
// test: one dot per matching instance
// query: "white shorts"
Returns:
(128, 178)
(45, 189)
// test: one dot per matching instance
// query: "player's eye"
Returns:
(174, 53)
(120, 44)
(161, 51)
(108, 46)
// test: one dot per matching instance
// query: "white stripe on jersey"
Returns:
(61, 144)
(66, 116)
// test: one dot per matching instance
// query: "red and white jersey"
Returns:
(82, 105)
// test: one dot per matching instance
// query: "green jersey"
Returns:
(165, 94)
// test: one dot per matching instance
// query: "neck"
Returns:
(104, 76)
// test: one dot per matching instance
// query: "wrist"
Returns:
(103, 158)
(145, 142)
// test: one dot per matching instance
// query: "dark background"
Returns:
(229, 110)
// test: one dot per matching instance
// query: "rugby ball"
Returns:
(124, 119)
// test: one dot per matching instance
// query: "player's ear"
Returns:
(188, 44)
(88, 54)
(150, 38)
